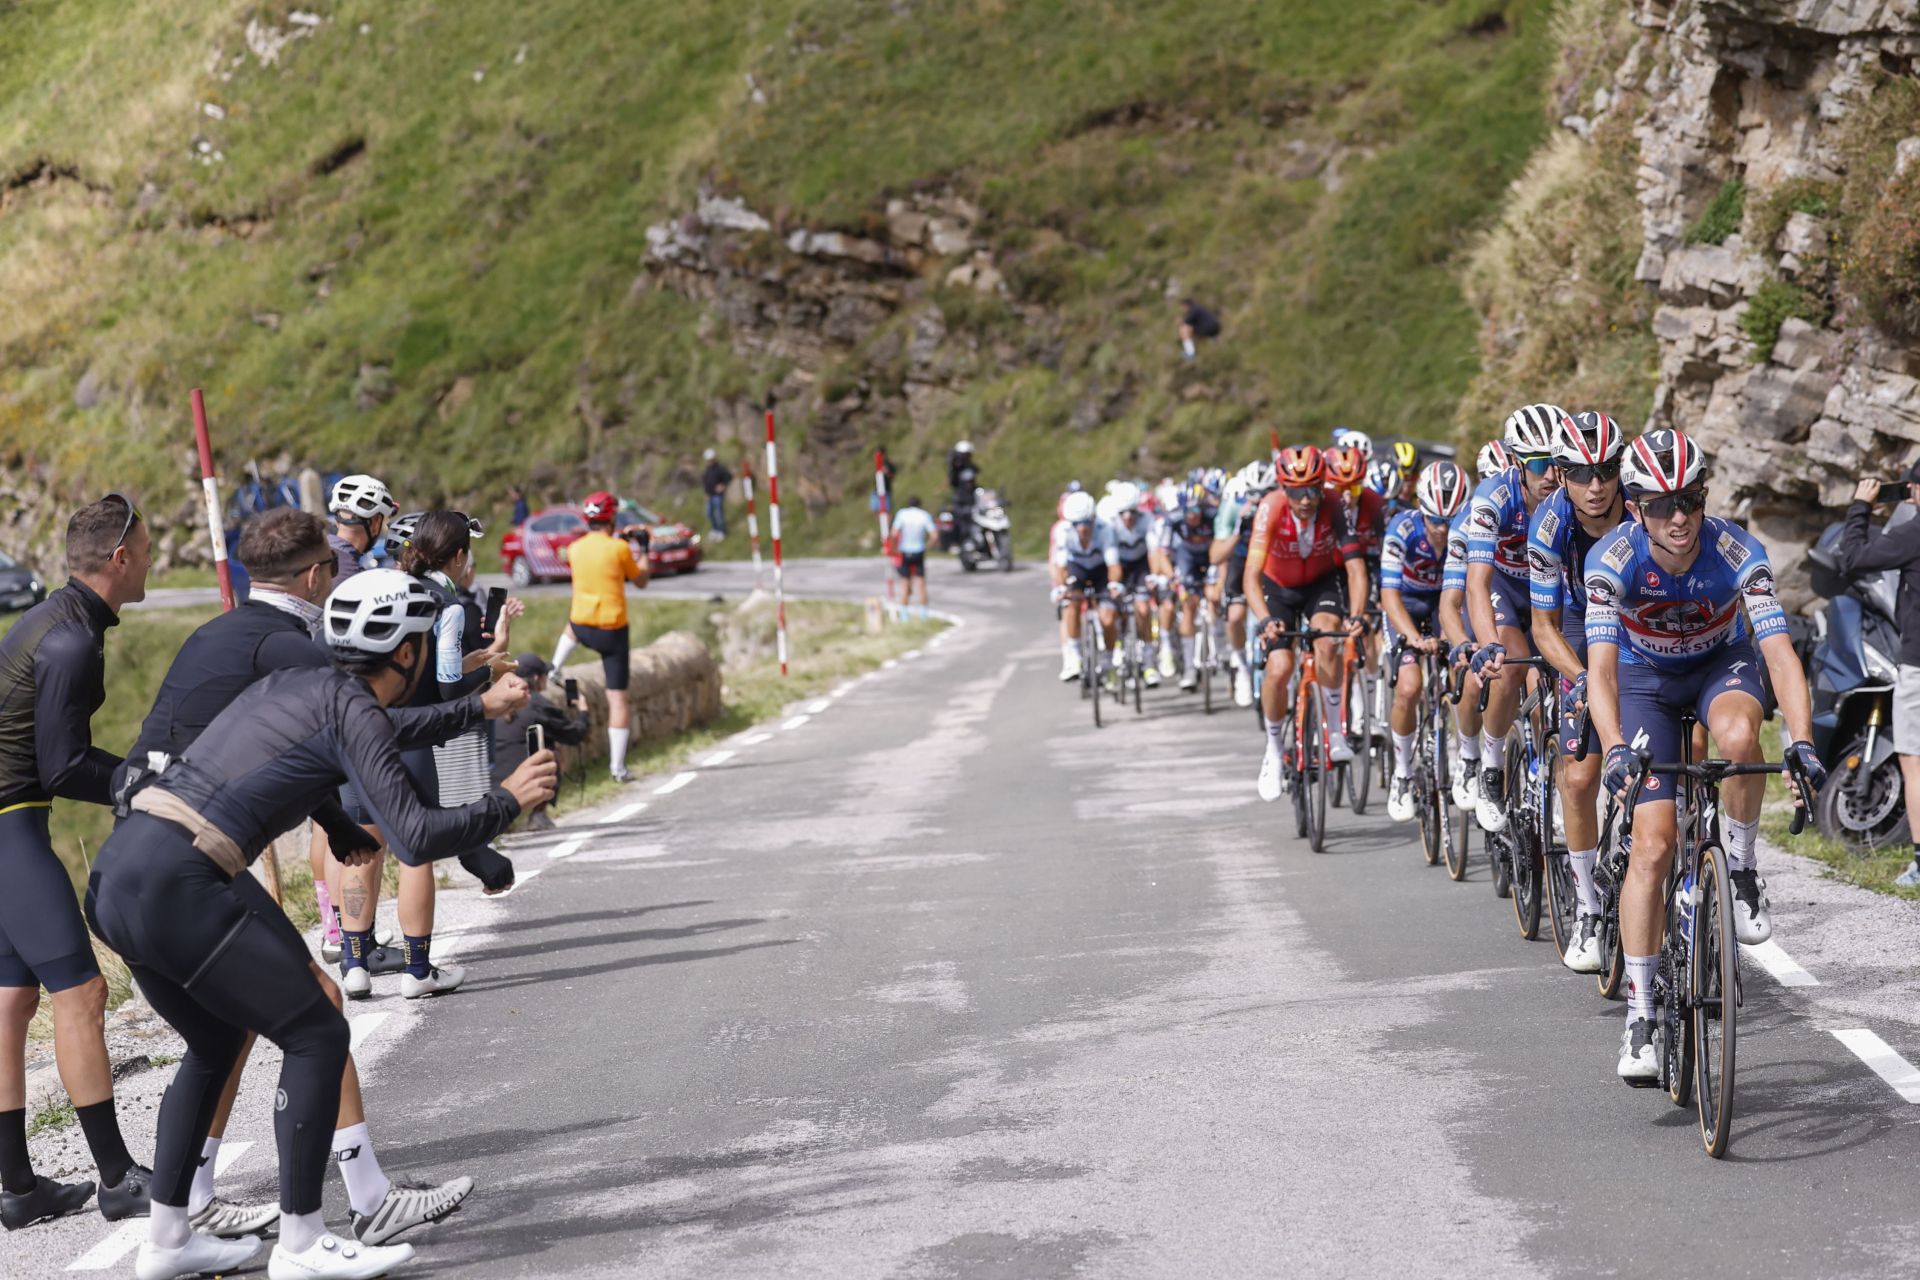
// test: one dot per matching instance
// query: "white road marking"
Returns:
(358, 1029)
(796, 722)
(717, 758)
(1781, 965)
(567, 848)
(755, 739)
(889, 664)
(674, 783)
(126, 1238)
(230, 1153)
(520, 880)
(817, 706)
(911, 654)
(625, 812)
(1883, 1061)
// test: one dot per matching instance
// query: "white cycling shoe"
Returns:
(1189, 680)
(331, 1258)
(200, 1255)
(1339, 750)
(1070, 668)
(1639, 1053)
(1400, 798)
(1242, 688)
(1466, 778)
(1752, 913)
(1583, 949)
(226, 1221)
(1487, 803)
(357, 982)
(1166, 662)
(1270, 775)
(439, 980)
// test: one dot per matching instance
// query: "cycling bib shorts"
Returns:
(43, 940)
(1651, 701)
(615, 651)
(1294, 607)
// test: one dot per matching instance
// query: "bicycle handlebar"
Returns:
(1714, 771)
(1486, 686)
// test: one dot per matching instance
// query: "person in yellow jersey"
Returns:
(604, 561)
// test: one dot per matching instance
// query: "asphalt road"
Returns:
(934, 978)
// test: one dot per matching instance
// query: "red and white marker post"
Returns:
(210, 487)
(753, 515)
(773, 528)
(886, 522)
(1273, 439)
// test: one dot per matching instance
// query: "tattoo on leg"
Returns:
(354, 894)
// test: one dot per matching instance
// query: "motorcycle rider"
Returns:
(963, 476)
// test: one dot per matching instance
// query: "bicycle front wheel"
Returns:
(1359, 708)
(1314, 774)
(1433, 817)
(1716, 1001)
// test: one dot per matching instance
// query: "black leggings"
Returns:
(214, 969)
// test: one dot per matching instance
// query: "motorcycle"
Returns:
(989, 534)
(1851, 677)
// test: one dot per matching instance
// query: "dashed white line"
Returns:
(717, 758)
(755, 739)
(358, 1029)
(796, 722)
(674, 783)
(1881, 1058)
(889, 664)
(568, 847)
(911, 654)
(625, 812)
(126, 1238)
(1781, 965)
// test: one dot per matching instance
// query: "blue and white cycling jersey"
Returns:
(1497, 524)
(1454, 576)
(1557, 547)
(1409, 562)
(1097, 551)
(1671, 622)
(1188, 544)
(1133, 544)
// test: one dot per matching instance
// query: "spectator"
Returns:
(520, 509)
(913, 528)
(566, 725)
(1196, 322)
(1863, 550)
(715, 480)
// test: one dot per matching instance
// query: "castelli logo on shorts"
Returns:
(1653, 784)
(1573, 744)
(279, 1099)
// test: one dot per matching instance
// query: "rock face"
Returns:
(1761, 91)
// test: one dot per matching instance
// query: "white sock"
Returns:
(1740, 838)
(298, 1231)
(1468, 747)
(562, 650)
(169, 1226)
(1277, 737)
(1640, 971)
(1187, 645)
(1403, 754)
(202, 1189)
(1240, 659)
(617, 750)
(1069, 650)
(359, 1168)
(1494, 748)
(1330, 699)
(1582, 861)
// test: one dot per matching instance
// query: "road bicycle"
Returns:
(1357, 720)
(1206, 653)
(1696, 988)
(1462, 825)
(1520, 849)
(1304, 766)
(1563, 895)
(1432, 751)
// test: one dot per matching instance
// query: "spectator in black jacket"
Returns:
(1196, 322)
(1864, 550)
(714, 481)
(566, 726)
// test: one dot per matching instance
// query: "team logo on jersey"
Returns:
(1539, 563)
(1653, 579)
(1760, 583)
(1731, 549)
(1549, 525)
(1616, 556)
(1602, 593)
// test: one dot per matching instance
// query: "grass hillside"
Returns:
(405, 236)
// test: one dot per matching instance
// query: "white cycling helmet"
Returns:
(1078, 508)
(965, 446)
(1348, 438)
(1531, 428)
(1442, 491)
(402, 528)
(1259, 474)
(1492, 459)
(1587, 440)
(361, 498)
(373, 611)
(1125, 495)
(1662, 462)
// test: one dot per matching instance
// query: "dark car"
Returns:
(20, 587)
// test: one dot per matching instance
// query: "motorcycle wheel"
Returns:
(1865, 818)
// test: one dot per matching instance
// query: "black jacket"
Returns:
(510, 735)
(1864, 550)
(716, 478)
(52, 680)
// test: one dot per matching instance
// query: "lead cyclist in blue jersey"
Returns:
(1413, 560)
(1186, 539)
(1680, 611)
(1585, 508)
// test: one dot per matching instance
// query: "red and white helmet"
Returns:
(599, 506)
(1587, 439)
(1492, 459)
(1442, 491)
(1300, 466)
(1531, 428)
(1346, 466)
(1662, 462)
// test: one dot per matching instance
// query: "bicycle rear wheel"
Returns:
(1563, 900)
(1716, 1001)
(1359, 707)
(1091, 649)
(1528, 866)
(1433, 818)
(1676, 1022)
(1314, 775)
(1454, 821)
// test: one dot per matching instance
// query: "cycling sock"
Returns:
(1277, 736)
(202, 1189)
(169, 1226)
(1740, 838)
(355, 946)
(1493, 748)
(1403, 754)
(563, 649)
(617, 750)
(16, 1169)
(1582, 861)
(367, 1186)
(324, 901)
(1187, 646)
(298, 1231)
(416, 950)
(1640, 970)
(101, 1125)
(1330, 699)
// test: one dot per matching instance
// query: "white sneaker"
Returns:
(438, 981)
(331, 1258)
(1400, 798)
(1069, 667)
(1166, 661)
(200, 1255)
(1752, 914)
(357, 983)
(227, 1221)
(1270, 775)
(1242, 688)
(1639, 1056)
(1487, 803)
(408, 1205)
(1583, 949)
(1339, 750)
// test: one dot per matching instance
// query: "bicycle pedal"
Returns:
(1653, 1083)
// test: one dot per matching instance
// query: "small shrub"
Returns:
(1721, 217)
(1770, 307)
(1767, 216)
(1882, 267)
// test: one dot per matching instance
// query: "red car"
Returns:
(533, 552)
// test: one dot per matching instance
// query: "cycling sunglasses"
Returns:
(1585, 473)
(133, 514)
(1303, 490)
(1537, 463)
(474, 528)
(1687, 502)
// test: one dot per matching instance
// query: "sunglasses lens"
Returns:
(1539, 464)
(1302, 490)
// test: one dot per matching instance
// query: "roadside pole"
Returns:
(773, 530)
(753, 518)
(210, 487)
(1273, 442)
(886, 531)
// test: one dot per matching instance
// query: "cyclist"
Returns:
(1678, 602)
(361, 507)
(1492, 460)
(1133, 535)
(1085, 567)
(604, 561)
(1585, 508)
(1383, 477)
(1304, 563)
(1186, 542)
(1412, 567)
(1232, 535)
(1499, 586)
(1406, 456)
(1367, 509)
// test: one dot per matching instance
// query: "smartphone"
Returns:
(536, 739)
(496, 600)
(1891, 491)
(573, 693)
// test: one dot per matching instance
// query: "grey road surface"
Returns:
(936, 979)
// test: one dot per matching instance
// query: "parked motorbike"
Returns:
(1851, 677)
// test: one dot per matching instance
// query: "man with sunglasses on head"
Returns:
(1678, 602)
(1586, 508)
(52, 668)
(1499, 587)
